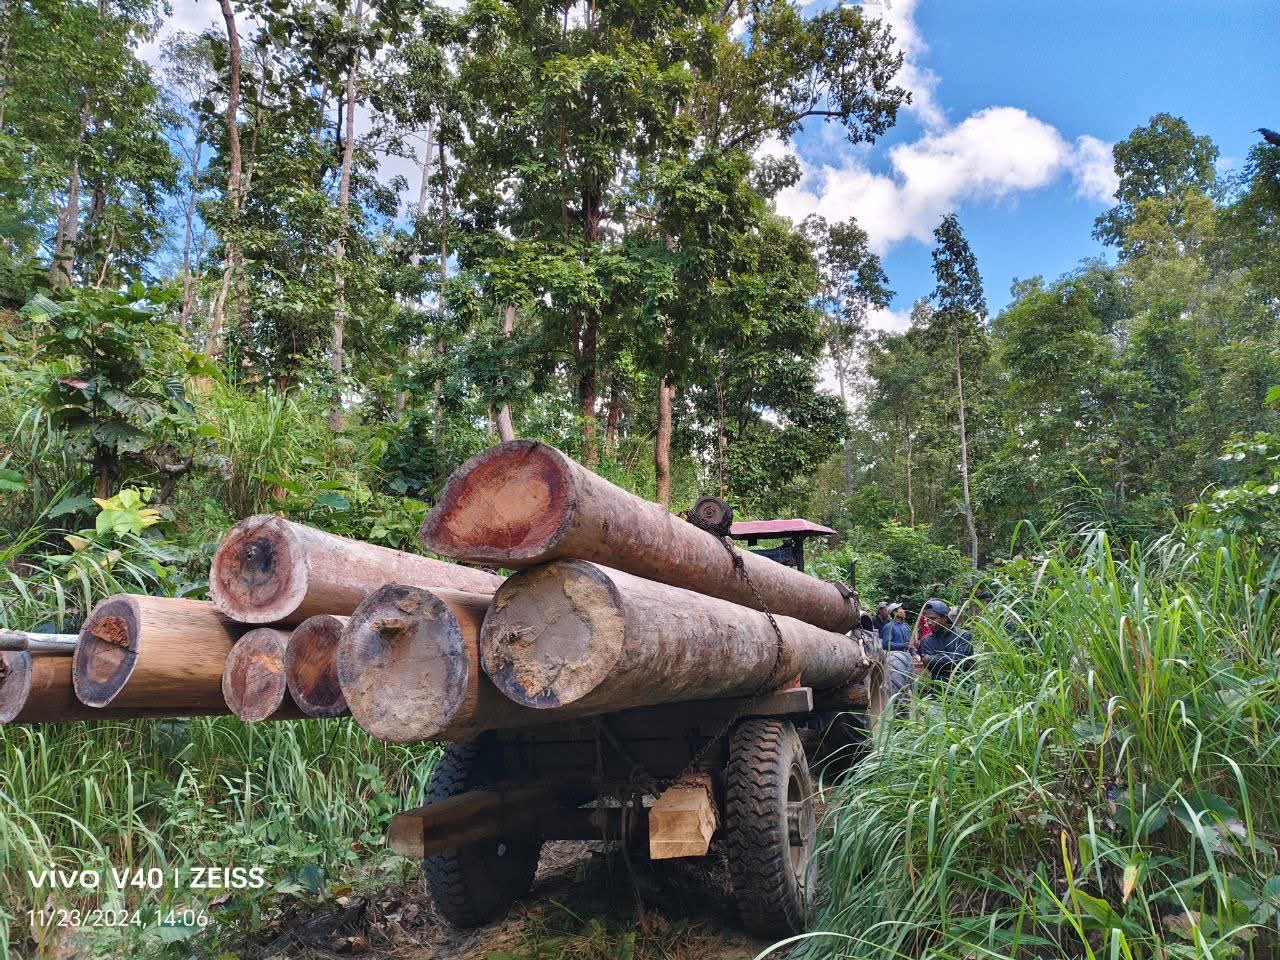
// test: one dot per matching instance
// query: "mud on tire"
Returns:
(476, 884)
(770, 827)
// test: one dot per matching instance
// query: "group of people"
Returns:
(933, 641)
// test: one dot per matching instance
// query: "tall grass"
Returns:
(1105, 782)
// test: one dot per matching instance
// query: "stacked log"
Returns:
(524, 503)
(155, 653)
(409, 666)
(268, 570)
(253, 681)
(311, 666)
(580, 638)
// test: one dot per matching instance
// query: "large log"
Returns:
(153, 652)
(38, 689)
(576, 634)
(523, 503)
(253, 681)
(269, 570)
(311, 666)
(409, 667)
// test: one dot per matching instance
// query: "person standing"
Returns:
(882, 617)
(895, 638)
(944, 648)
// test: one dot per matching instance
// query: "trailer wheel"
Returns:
(770, 827)
(476, 884)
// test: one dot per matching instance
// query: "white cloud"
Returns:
(900, 17)
(1094, 170)
(885, 318)
(993, 154)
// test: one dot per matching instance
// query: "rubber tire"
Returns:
(476, 884)
(765, 757)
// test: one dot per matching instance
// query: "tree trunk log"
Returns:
(154, 652)
(574, 633)
(311, 666)
(524, 503)
(253, 681)
(38, 689)
(662, 443)
(409, 667)
(269, 570)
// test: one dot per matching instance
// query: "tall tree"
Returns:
(957, 322)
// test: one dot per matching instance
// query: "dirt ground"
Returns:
(585, 905)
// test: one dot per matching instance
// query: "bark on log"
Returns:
(253, 681)
(576, 635)
(52, 643)
(269, 570)
(38, 689)
(153, 652)
(524, 503)
(409, 666)
(311, 666)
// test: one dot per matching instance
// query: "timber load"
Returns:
(576, 635)
(311, 666)
(524, 503)
(253, 680)
(268, 570)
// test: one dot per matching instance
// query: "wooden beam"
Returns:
(470, 818)
(683, 820)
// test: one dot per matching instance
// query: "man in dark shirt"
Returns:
(944, 649)
(895, 637)
(882, 617)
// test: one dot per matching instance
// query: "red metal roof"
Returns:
(777, 528)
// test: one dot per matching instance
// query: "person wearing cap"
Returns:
(895, 637)
(944, 648)
(882, 617)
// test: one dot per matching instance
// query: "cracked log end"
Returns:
(311, 666)
(107, 651)
(253, 681)
(554, 634)
(15, 683)
(259, 574)
(509, 504)
(403, 664)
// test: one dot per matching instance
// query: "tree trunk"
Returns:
(838, 356)
(444, 274)
(68, 232)
(587, 394)
(964, 463)
(506, 428)
(554, 508)
(722, 445)
(613, 418)
(154, 652)
(269, 570)
(662, 443)
(214, 345)
(415, 258)
(576, 635)
(184, 319)
(253, 683)
(340, 252)
(311, 666)
(408, 662)
(911, 500)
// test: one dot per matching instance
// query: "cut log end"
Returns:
(547, 668)
(311, 666)
(107, 650)
(511, 503)
(15, 683)
(253, 682)
(259, 574)
(403, 665)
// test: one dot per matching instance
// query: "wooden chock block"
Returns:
(683, 820)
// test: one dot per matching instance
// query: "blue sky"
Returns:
(1016, 107)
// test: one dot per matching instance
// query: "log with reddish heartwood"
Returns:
(523, 503)
(311, 666)
(268, 570)
(410, 670)
(153, 652)
(253, 681)
(578, 638)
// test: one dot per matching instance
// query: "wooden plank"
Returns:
(469, 818)
(683, 820)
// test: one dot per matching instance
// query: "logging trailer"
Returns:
(664, 781)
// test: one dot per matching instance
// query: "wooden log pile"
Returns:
(616, 604)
